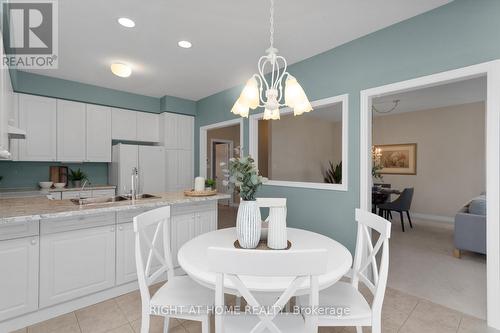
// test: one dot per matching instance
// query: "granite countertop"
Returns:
(25, 209)
(87, 188)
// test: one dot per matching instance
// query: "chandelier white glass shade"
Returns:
(271, 96)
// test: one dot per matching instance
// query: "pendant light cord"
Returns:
(271, 21)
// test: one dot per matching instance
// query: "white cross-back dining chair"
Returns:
(365, 270)
(235, 264)
(153, 261)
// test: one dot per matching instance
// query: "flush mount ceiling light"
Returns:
(121, 70)
(252, 95)
(126, 22)
(185, 44)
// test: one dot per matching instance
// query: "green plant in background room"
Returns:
(77, 176)
(244, 176)
(334, 173)
(209, 182)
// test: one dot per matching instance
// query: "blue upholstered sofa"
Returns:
(470, 227)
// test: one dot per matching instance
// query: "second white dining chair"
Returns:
(301, 266)
(365, 270)
(154, 260)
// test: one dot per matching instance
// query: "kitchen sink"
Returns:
(104, 200)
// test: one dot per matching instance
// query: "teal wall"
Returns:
(28, 174)
(177, 105)
(462, 33)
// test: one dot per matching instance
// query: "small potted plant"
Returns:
(209, 184)
(244, 176)
(76, 177)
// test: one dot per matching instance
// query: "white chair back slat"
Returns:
(366, 256)
(151, 263)
(299, 264)
(267, 263)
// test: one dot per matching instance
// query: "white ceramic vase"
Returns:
(276, 234)
(248, 224)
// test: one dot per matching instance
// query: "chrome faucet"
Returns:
(134, 183)
(82, 188)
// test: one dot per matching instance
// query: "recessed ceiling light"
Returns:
(185, 44)
(126, 22)
(121, 70)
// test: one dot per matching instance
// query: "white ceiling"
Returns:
(457, 93)
(228, 37)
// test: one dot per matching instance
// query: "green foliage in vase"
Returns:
(76, 175)
(244, 176)
(334, 174)
(209, 182)
(375, 171)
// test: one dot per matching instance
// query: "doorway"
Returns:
(491, 71)
(221, 152)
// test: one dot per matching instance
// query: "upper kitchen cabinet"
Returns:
(71, 131)
(38, 117)
(124, 125)
(98, 133)
(148, 127)
(177, 131)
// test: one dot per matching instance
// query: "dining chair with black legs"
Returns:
(402, 205)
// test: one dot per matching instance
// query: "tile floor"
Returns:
(401, 313)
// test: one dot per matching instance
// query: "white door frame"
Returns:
(203, 140)
(492, 72)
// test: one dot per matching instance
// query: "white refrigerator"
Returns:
(149, 161)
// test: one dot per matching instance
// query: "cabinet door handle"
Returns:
(112, 229)
(121, 228)
(33, 242)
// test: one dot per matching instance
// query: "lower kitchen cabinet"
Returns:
(188, 222)
(76, 263)
(125, 254)
(19, 276)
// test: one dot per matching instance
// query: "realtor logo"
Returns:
(30, 34)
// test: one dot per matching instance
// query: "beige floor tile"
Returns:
(122, 329)
(66, 323)
(156, 325)
(397, 300)
(101, 317)
(331, 330)
(429, 312)
(192, 326)
(130, 304)
(414, 325)
(22, 330)
(474, 325)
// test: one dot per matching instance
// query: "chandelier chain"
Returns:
(271, 21)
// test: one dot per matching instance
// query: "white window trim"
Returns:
(492, 72)
(254, 144)
(203, 140)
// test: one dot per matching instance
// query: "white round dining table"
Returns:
(193, 259)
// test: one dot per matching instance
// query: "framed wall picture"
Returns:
(398, 159)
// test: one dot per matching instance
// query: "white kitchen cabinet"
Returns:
(125, 254)
(183, 228)
(19, 276)
(71, 131)
(185, 169)
(38, 117)
(177, 131)
(148, 127)
(179, 169)
(190, 221)
(76, 263)
(98, 133)
(124, 124)
(6, 104)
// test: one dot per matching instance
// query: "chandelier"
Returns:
(258, 92)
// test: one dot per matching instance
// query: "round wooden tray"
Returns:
(193, 193)
(262, 245)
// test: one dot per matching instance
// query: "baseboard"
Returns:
(430, 217)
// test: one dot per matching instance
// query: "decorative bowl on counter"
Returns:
(45, 185)
(59, 185)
